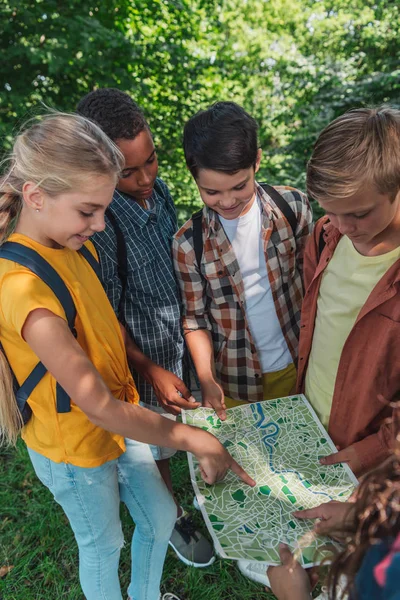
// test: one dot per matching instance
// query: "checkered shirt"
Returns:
(214, 299)
(151, 309)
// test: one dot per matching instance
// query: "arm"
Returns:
(50, 338)
(289, 581)
(196, 324)
(171, 392)
(201, 349)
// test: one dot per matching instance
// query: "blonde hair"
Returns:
(58, 154)
(358, 148)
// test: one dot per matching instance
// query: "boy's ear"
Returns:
(258, 160)
(33, 196)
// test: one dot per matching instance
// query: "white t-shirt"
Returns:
(244, 234)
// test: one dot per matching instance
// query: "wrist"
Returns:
(141, 363)
(197, 440)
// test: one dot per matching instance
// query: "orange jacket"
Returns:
(368, 376)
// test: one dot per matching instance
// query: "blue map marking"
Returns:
(270, 439)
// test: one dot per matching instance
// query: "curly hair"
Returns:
(114, 111)
(377, 518)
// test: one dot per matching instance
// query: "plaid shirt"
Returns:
(151, 310)
(214, 299)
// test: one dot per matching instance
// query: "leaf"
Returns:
(5, 570)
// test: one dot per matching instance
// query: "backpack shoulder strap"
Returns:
(91, 260)
(197, 220)
(34, 262)
(122, 255)
(283, 206)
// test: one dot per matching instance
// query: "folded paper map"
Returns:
(278, 442)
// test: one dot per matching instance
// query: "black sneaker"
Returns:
(190, 545)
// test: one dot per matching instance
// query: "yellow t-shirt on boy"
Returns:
(64, 437)
(347, 282)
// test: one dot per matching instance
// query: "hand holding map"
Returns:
(279, 443)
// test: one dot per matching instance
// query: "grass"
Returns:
(37, 542)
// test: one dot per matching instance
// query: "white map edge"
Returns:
(200, 498)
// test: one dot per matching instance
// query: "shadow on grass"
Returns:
(36, 540)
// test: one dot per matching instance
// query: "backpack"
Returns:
(271, 191)
(29, 258)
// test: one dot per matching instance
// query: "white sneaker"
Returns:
(169, 596)
(254, 570)
(340, 595)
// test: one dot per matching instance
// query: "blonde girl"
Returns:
(61, 176)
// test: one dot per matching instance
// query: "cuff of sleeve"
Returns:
(194, 323)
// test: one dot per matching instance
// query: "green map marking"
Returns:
(278, 443)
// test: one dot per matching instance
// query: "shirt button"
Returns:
(257, 375)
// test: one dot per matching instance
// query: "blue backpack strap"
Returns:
(34, 262)
(91, 260)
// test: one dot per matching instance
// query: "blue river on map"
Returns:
(270, 438)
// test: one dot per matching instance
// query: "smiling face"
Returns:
(69, 219)
(229, 195)
(367, 217)
(141, 166)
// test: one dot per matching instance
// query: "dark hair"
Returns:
(115, 112)
(377, 516)
(221, 138)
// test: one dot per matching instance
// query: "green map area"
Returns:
(278, 442)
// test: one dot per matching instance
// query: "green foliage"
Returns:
(294, 64)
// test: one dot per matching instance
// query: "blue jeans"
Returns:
(90, 497)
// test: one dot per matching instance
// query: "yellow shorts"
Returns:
(275, 385)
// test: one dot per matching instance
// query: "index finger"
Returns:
(333, 459)
(240, 472)
(182, 389)
(309, 513)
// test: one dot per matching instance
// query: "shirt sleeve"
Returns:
(23, 292)
(302, 209)
(169, 202)
(105, 245)
(192, 284)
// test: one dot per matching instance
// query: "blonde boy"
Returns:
(349, 353)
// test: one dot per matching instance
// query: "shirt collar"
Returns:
(141, 215)
(265, 204)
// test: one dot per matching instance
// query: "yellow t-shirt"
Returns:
(64, 437)
(347, 282)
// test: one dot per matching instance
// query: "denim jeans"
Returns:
(90, 497)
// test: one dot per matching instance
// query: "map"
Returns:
(278, 442)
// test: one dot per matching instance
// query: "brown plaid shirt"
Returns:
(214, 299)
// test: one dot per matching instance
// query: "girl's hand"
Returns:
(213, 397)
(289, 581)
(215, 460)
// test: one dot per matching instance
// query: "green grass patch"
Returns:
(37, 542)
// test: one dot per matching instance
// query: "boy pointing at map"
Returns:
(349, 358)
(239, 264)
